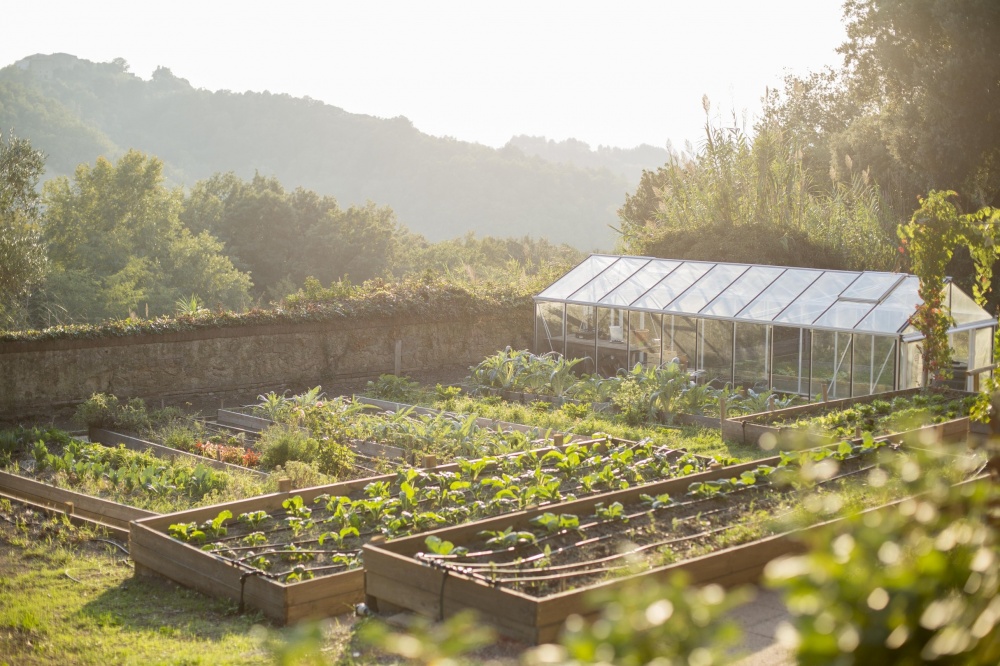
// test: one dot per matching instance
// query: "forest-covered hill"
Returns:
(75, 110)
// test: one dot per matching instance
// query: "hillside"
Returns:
(75, 110)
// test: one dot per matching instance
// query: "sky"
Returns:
(619, 73)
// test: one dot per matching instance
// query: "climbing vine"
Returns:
(930, 238)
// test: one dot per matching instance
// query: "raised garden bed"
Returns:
(490, 424)
(111, 476)
(98, 512)
(109, 438)
(311, 539)
(527, 572)
(794, 425)
(371, 450)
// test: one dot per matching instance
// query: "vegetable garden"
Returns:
(292, 538)
(662, 394)
(526, 573)
(137, 479)
(519, 532)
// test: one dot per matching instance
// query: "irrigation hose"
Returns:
(243, 580)
(113, 543)
(469, 568)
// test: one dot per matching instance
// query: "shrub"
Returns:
(915, 583)
(280, 443)
(334, 458)
(103, 410)
(302, 475)
(393, 388)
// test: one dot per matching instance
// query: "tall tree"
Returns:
(283, 237)
(22, 255)
(930, 69)
(117, 244)
(759, 189)
(914, 103)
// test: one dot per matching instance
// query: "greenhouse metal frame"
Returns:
(797, 330)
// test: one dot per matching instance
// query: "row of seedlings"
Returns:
(298, 555)
(378, 430)
(108, 486)
(935, 412)
(526, 573)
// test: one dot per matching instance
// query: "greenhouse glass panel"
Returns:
(680, 340)
(549, 335)
(581, 335)
(871, 286)
(751, 366)
(885, 357)
(892, 314)
(960, 346)
(672, 286)
(844, 315)
(819, 296)
(964, 309)
(831, 364)
(610, 278)
(707, 288)
(746, 288)
(874, 364)
(576, 278)
(983, 354)
(644, 339)
(716, 355)
(792, 348)
(641, 282)
(612, 325)
(912, 366)
(779, 294)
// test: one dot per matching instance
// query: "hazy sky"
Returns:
(615, 73)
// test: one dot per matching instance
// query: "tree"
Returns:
(930, 69)
(116, 229)
(283, 237)
(760, 188)
(22, 254)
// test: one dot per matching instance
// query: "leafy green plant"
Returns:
(438, 546)
(393, 388)
(508, 538)
(914, 583)
(190, 307)
(553, 523)
(187, 532)
(272, 406)
(254, 518)
(613, 512)
(668, 623)
(216, 527)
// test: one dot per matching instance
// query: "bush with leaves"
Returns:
(672, 623)
(393, 388)
(103, 410)
(915, 583)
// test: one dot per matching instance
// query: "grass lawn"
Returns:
(68, 598)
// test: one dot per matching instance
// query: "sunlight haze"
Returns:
(617, 74)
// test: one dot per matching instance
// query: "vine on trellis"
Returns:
(930, 238)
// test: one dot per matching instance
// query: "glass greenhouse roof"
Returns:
(865, 302)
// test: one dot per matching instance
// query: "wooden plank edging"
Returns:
(396, 578)
(87, 506)
(158, 553)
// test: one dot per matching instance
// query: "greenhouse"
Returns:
(797, 330)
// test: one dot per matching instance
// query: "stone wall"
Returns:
(49, 377)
